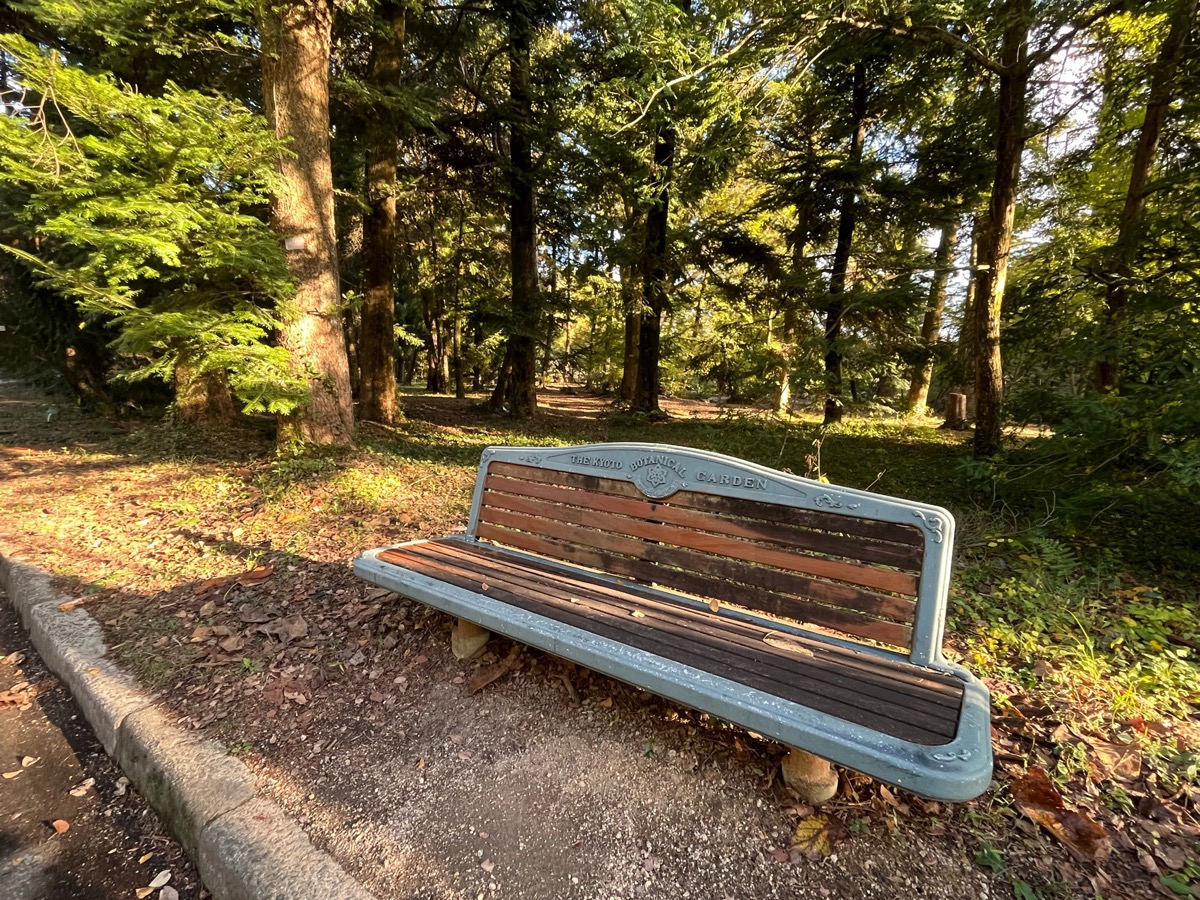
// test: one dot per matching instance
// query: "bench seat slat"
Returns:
(606, 553)
(781, 534)
(673, 637)
(924, 688)
(751, 509)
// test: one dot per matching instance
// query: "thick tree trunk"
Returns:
(847, 219)
(997, 234)
(377, 341)
(646, 386)
(918, 388)
(1183, 20)
(518, 391)
(295, 69)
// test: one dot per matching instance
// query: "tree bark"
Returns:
(847, 219)
(1183, 20)
(203, 400)
(516, 389)
(996, 242)
(918, 388)
(646, 386)
(295, 71)
(966, 337)
(377, 340)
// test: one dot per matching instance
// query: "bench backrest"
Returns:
(708, 525)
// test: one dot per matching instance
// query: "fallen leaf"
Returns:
(1123, 761)
(211, 584)
(714, 605)
(638, 614)
(1038, 798)
(13, 659)
(201, 633)
(607, 702)
(27, 761)
(208, 609)
(160, 879)
(252, 615)
(257, 575)
(145, 858)
(231, 644)
(817, 835)
(62, 826)
(144, 892)
(121, 788)
(286, 628)
(890, 799)
(83, 787)
(487, 676)
(12, 774)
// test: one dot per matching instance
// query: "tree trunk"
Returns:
(295, 68)
(631, 298)
(966, 337)
(847, 219)
(203, 400)
(793, 301)
(377, 340)
(918, 389)
(1183, 19)
(518, 391)
(996, 240)
(646, 386)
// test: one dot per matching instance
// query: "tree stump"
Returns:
(956, 412)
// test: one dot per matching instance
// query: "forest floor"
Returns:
(221, 573)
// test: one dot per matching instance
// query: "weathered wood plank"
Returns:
(652, 565)
(658, 633)
(779, 532)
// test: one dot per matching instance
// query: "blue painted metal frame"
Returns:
(958, 770)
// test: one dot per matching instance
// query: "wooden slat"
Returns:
(822, 567)
(777, 532)
(937, 688)
(843, 694)
(753, 509)
(652, 562)
(724, 569)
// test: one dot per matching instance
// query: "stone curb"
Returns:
(245, 847)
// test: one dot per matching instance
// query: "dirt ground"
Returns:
(547, 782)
(108, 842)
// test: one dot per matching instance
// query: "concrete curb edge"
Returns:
(244, 846)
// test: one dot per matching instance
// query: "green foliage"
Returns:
(147, 213)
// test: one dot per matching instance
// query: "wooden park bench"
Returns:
(809, 613)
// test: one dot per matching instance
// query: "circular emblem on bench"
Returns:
(657, 481)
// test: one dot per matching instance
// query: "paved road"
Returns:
(54, 769)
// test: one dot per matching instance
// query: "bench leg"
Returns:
(812, 777)
(467, 638)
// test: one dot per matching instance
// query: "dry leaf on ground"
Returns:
(487, 676)
(817, 835)
(62, 826)
(257, 575)
(1038, 798)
